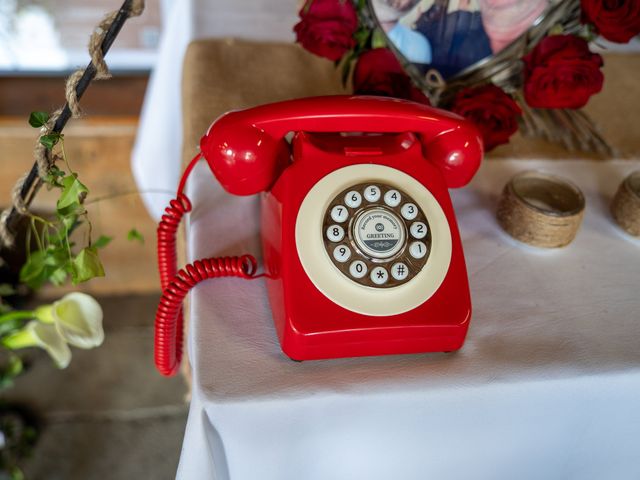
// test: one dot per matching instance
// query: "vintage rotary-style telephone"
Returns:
(362, 254)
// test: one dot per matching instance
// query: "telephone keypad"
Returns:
(342, 253)
(335, 233)
(392, 198)
(379, 275)
(418, 230)
(372, 193)
(339, 213)
(409, 211)
(399, 271)
(417, 250)
(358, 269)
(353, 199)
(382, 242)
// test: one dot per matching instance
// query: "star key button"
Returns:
(379, 275)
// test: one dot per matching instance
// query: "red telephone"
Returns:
(361, 248)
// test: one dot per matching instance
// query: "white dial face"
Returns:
(379, 233)
(343, 272)
(374, 223)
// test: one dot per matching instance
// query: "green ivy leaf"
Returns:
(43, 265)
(87, 265)
(38, 119)
(378, 40)
(73, 194)
(135, 235)
(58, 276)
(361, 36)
(49, 140)
(52, 177)
(6, 290)
(102, 242)
(32, 272)
(10, 370)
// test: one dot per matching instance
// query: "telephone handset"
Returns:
(361, 249)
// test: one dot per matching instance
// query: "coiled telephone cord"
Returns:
(169, 324)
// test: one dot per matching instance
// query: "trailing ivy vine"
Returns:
(52, 255)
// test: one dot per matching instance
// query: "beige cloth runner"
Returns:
(228, 74)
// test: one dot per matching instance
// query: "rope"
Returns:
(541, 209)
(98, 46)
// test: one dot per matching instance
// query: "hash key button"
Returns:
(399, 271)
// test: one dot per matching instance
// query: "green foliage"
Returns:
(38, 119)
(86, 265)
(102, 241)
(50, 139)
(55, 259)
(6, 290)
(378, 39)
(72, 196)
(135, 236)
(10, 370)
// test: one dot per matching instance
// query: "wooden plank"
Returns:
(122, 95)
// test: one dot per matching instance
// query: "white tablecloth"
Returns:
(157, 151)
(547, 385)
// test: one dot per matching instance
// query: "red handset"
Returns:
(359, 236)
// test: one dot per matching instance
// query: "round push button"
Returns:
(417, 249)
(418, 230)
(358, 269)
(379, 233)
(409, 211)
(372, 193)
(339, 213)
(379, 276)
(399, 271)
(392, 198)
(342, 253)
(353, 199)
(335, 233)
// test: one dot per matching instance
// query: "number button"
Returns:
(341, 253)
(392, 198)
(417, 250)
(358, 269)
(339, 213)
(379, 276)
(399, 271)
(409, 211)
(353, 199)
(418, 230)
(372, 193)
(335, 233)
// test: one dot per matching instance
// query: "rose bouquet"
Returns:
(535, 80)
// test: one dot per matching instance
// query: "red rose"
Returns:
(615, 20)
(561, 72)
(326, 27)
(491, 110)
(378, 72)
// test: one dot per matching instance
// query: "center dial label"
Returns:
(379, 233)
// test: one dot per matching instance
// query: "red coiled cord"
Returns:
(175, 286)
(169, 322)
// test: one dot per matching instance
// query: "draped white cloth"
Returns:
(547, 385)
(157, 151)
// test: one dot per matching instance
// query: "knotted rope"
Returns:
(99, 44)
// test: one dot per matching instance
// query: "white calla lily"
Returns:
(46, 336)
(78, 318)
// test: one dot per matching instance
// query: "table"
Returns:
(546, 386)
